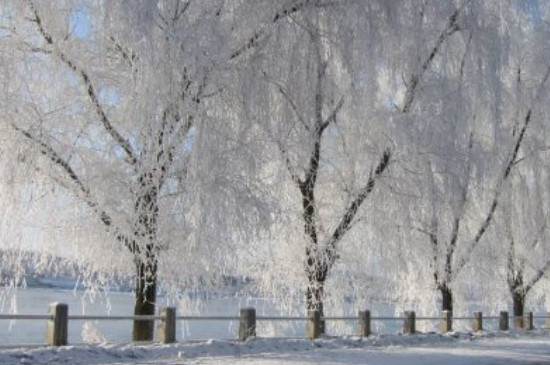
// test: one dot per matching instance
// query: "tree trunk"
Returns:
(518, 298)
(146, 209)
(314, 299)
(446, 297)
(517, 288)
(145, 299)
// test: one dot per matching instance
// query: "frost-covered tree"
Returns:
(525, 259)
(116, 107)
(471, 137)
(524, 218)
(334, 112)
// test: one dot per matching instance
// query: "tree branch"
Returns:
(127, 54)
(334, 112)
(82, 190)
(289, 100)
(412, 86)
(289, 167)
(352, 209)
(506, 172)
(294, 107)
(538, 275)
(432, 234)
(256, 37)
(456, 225)
(124, 144)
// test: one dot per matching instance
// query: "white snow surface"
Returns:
(452, 348)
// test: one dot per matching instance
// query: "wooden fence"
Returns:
(58, 319)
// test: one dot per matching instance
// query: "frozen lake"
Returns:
(36, 301)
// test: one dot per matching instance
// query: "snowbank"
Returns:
(264, 348)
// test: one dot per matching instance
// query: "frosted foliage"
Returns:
(523, 233)
(91, 334)
(352, 151)
(118, 141)
(466, 152)
(435, 83)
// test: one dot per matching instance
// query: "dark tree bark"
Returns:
(145, 299)
(515, 275)
(145, 256)
(314, 299)
(518, 298)
(446, 297)
(319, 260)
(141, 238)
(516, 286)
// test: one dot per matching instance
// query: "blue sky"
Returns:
(80, 22)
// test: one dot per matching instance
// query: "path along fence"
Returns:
(58, 319)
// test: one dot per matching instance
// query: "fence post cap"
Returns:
(58, 304)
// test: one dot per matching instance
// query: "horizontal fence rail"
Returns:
(208, 318)
(114, 318)
(58, 318)
(277, 318)
(25, 316)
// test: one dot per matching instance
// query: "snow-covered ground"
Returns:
(455, 348)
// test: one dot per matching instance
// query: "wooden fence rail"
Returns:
(58, 318)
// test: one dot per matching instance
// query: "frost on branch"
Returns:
(333, 152)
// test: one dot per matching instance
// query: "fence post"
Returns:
(478, 322)
(56, 327)
(503, 321)
(166, 330)
(528, 321)
(409, 323)
(363, 323)
(447, 322)
(313, 328)
(247, 324)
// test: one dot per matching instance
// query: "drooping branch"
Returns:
(179, 10)
(320, 124)
(294, 107)
(412, 86)
(288, 98)
(293, 174)
(512, 160)
(82, 190)
(453, 243)
(352, 209)
(434, 225)
(257, 36)
(174, 127)
(90, 90)
(434, 242)
(319, 92)
(334, 112)
(538, 275)
(129, 56)
(510, 265)
(506, 171)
